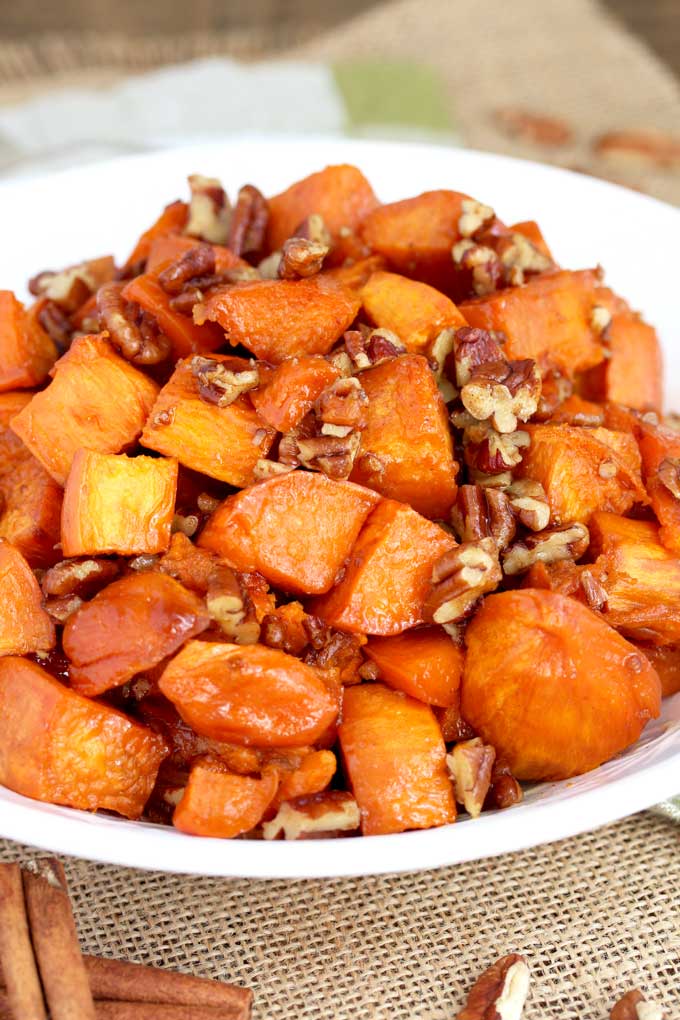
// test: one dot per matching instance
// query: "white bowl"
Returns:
(49, 222)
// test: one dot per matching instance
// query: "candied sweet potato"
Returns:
(24, 624)
(583, 470)
(27, 352)
(118, 504)
(248, 694)
(406, 449)
(295, 529)
(130, 626)
(416, 312)
(548, 319)
(59, 747)
(424, 663)
(395, 759)
(311, 776)
(666, 661)
(187, 337)
(387, 575)
(355, 275)
(223, 804)
(171, 221)
(660, 451)
(165, 250)
(221, 442)
(531, 230)
(286, 393)
(279, 319)
(96, 400)
(551, 686)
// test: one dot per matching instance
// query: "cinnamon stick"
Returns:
(24, 997)
(55, 942)
(108, 1010)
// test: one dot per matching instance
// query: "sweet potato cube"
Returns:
(24, 624)
(221, 442)
(223, 804)
(27, 352)
(59, 747)
(311, 776)
(658, 446)
(286, 393)
(96, 401)
(296, 529)
(395, 758)
(406, 450)
(424, 663)
(642, 578)
(531, 230)
(387, 575)
(583, 470)
(165, 250)
(130, 626)
(416, 312)
(118, 504)
(30, 498)
(279, 319)
(666, 661)
(248, 694)
(355, 275)
(187, 338)
(171, 221)
(548, 319)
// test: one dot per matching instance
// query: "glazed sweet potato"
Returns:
(118, 504)
(223, 804)
(164, 250)
(24, 624)
(279, 319)
(583, 470)
(313, 775)
(424, 663)
(248, 694)
(187, 337)
(548, 319)
(666, 661)
(406, 450)
(286, 393)
(96, 400)
(127, 628)
(395, 759)
(355, 275)
(221, 442)
(295, 529)
(387, 575)
(660, 451)
(30, 498)
(171, 221)
(416, 312)
(531, 230)
(551, 686)
(27, 353)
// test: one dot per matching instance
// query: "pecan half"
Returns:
(333, 455)
(138, 342)
(668, 474)
(473, 217)
(301, 258)
(69, 288)
(198, 261)
(634, 1006)
(219, 384)
(248, 227)
(320, 815)
(474, 347)
(566, 543)
(459, 578)
(344, 403)
(470, 764)
(209, 210)
(500, 992)
(529, 503)
(81, 577)
(483, 513)
(503, 392)
(368, 348)
(230, 607)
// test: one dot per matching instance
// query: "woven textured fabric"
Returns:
(595, 915)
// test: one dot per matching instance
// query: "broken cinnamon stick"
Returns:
(24, 997)
(55, 942)
(158, 1011)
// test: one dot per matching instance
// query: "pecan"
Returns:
(71, 287)
(219, 384)
(521, 258)
(319, 815)
(483, 513)
(596, 594)
(500, 992)
(198, 261)
(566, 543)
(230, 607)
(269, 469)
(600, 320)
(555, 390)
(301, 258)
(459, 578)
(470, 765)
(249, 221)
(534, 127)
(276, 632)
(343, 404)
(135, 341)
(504, 790)
(607, 469)
(198, 288)
(333, 455)
(482, 262)
(318, 632)
(474, 347)
(268, 267)
(339, 652)
(634, 1006)
(502, 392)
(490, 451)
(668, 474)
(453, 726)
(314, 228)
(473, 217)
(209, 210)
(441, 355)
(367, 348)
(143, 562)
(369, 671)
(56, 324)
(501, 481)
(529, 503)
(61, 607)
(82, 577)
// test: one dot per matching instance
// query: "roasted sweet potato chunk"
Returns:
(171, 221)
(118, 504)
(311, 776)
(551, 686)
(660, 451)
(223, 804)
(666, 661)
(24, 624)
(279, 319)
(387, 575)
(424, 663)
(248, 694)
(406, 450)
(95, 401)
(355, 275)
(221, 442)
(531, 230)
(187, 338)
(27, 352)
(286, 393)
(416, 312)
(296, 529)
(165, 250)
(395, 758)
(129, 627)
(59, 747)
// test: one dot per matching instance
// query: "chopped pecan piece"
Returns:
(314, 228)
(500, 992)
(221, 385)
(339, 652)
(600, 320)
(71, 287)
(566, 543)
(504, 790)
(230, 607)
(668, 474)
(270, 468)
(138, 342)
(474, 347)
(366, 348)
(316, 816)
(483, 513)
(470, 764)
(520, 258)
(61, 607)
(301, 258)
(249, 220)
(473, 217)
(333, 455)
(198, 261)
(529, 502)
(490, 451)
(482, 262)
(343, 404)
(83, 577)
(209, 210)
(57, 324)
(459, 578)
(634, 1006)
(503, 392)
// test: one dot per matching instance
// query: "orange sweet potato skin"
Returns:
(406, 451)
(222, 442)
(416, 312)
(286, 393)
(27, 353)
(96, 400)
(248, 694)
(279, 319)
(666, 661)
(424, 663)
(24, 624)
(129, 627)
(387, 575)
(657, 445)
(223, 804)
(297, 529)
(542, 673)
(395, 759)
(187, 337)
(59, 747)
(118, 504)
